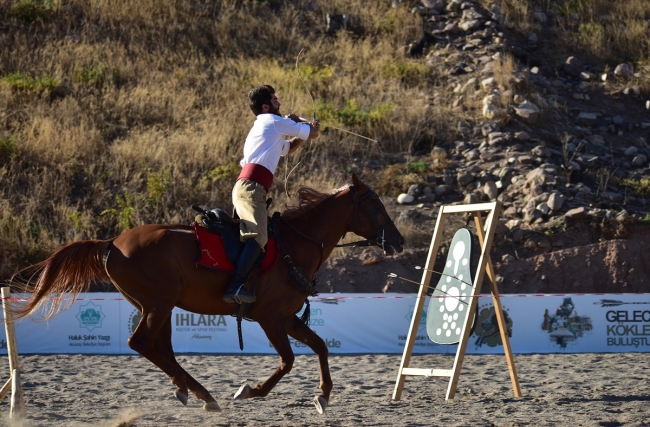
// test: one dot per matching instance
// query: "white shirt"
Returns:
(267, 140)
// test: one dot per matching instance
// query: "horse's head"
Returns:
(370, 219)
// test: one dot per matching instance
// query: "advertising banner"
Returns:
(101, 323)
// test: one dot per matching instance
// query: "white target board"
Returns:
(451, 299)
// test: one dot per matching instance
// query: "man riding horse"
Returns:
(265, 144)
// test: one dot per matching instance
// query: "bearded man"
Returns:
(265, 144)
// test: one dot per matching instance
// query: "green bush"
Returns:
(418, 167)
(8, 149)
(95, 75)
(124, 213)
(27, 83)
(351, 114)
(157, 186)
(410, 71)
(32, 10)
(640, 187)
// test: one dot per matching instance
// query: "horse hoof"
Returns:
(181, 396)
(320, 403)
(211, 406)
(242, 393)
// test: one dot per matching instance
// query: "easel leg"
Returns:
(419, 305)
(503, 327)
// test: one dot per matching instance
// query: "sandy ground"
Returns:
(558, 390)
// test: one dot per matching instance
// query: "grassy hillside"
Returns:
(118, 113)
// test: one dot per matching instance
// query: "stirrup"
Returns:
(240, 296)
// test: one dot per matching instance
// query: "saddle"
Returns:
(217, 221)
(218, 236)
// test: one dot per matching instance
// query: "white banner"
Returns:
(100, 323)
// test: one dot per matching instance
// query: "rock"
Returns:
(471, 198)
(469, 25)
(624, 71)
(513, 224)
(631, 151)
(528, 112)
(587, 119)
(577, 213)
(442, 189)
(540, 17)
(490, 190)
(531, 214)
(451, 28)
(522, 136)
(427, 198)
(414, 190)
(525, 160)
(470, 85)
(555, 201)
(596, 140)
(465, 178)
(639, 160)
(540, 151)
(405, 199)
(511, 213)
(572, 66)
(587, 76)
(438, 153)
(490, 83)
(472, 155)
(615, 196)
(543, 208)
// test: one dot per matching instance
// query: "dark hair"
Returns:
(259, 96)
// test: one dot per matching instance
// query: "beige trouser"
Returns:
(249, 200)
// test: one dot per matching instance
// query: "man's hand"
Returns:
(294, 117)
(314, 129)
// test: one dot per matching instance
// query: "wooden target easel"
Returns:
(485, 235)
(14, 384)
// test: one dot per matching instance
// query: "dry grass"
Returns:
(115, 113)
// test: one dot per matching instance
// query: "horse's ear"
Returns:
(357, 182)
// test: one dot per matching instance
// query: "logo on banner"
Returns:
(134, 320)
(565, 325)
(487, 326)
(423, 319)
(90, 316)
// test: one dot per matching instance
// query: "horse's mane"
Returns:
(308, 199)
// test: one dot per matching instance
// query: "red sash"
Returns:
(257, 173)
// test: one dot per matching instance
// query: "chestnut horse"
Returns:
(153, 266)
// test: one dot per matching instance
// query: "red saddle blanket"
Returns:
(213, 253)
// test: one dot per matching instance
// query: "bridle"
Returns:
(379, 230)
(296, 274)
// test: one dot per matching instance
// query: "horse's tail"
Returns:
(70, 270)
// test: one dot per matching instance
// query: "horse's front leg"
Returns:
(298, 330)
(277, 335)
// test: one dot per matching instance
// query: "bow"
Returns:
(293, 90)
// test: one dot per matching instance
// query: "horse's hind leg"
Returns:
(301, 332)
(152, 339)
(163, 345)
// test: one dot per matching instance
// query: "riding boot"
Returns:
(236, 290)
